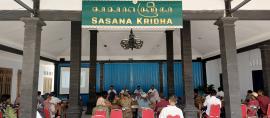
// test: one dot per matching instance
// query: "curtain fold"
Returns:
(178, 79)
(130, 75)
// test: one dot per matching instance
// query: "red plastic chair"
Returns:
(148, 113)
(244, 110)
(116, 113)
(100, 113)
(47, 113)
(97, 116)
(214, 111)
(171, 116)
(1, 115)
(268, 111)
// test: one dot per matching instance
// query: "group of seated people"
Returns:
(132, 104)
(257, 104)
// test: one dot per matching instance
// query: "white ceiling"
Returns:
(205, 40)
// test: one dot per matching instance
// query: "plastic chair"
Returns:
(100, 113)
(244, 110)
(171, 116)
(97, 116)
(214, 111)
(268, 111)
(116, 113)
(148, 113)
(1, 114)
(47, 113)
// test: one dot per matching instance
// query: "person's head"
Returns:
(254, 95)
(100, 102)
(196, 92)
(213, 93)
(220, 89)
(111, 96)
(152, 87)
(249, 92)
(111, 87)
(125, 94)
(52, 94)
(260, 92)
(47, 96)
(39, 93)
(138, 87)
(173, 100)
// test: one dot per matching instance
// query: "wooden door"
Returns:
(5, 81)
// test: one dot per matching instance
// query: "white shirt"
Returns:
(109, 91)
(138, 91)
(220, 94)
(211, 101)
(152, 91)
(123, 91)
(170, 110)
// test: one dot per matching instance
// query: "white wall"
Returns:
(247, 62)
(14, 62)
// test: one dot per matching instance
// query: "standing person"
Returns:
(55, 107)
(40, 103)
(171, 109)
(220, 93)
(213, 100)
(263, 102)
(252, 106)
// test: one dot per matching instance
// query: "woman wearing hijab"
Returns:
(101, 105)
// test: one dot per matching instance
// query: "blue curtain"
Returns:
(130, 75)
(178, 80)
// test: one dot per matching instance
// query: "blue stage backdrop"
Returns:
(130, 75)
(144, 74)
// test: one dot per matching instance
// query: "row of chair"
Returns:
(215, 111)
(117, 113)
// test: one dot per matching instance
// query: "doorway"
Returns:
(257, 79)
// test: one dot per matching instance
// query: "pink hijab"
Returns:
(100, 102)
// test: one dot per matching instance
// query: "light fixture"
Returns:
(132, 42)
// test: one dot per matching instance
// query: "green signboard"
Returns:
(132, 14)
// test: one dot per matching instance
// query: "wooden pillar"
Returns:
(170, 62)
(92, 72)
(101, 77)
(160, 78)
(74, 109)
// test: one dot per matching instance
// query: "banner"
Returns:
(132, 14)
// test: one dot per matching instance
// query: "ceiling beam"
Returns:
(71, 15)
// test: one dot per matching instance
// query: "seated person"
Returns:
(143, 102)
(101, 105)
(138, 91)
(125, 102)
(263, 102)
(162, 103)
(253, 106)
(112, 90)
(213, 100)
(171, 109)
(153, 94)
